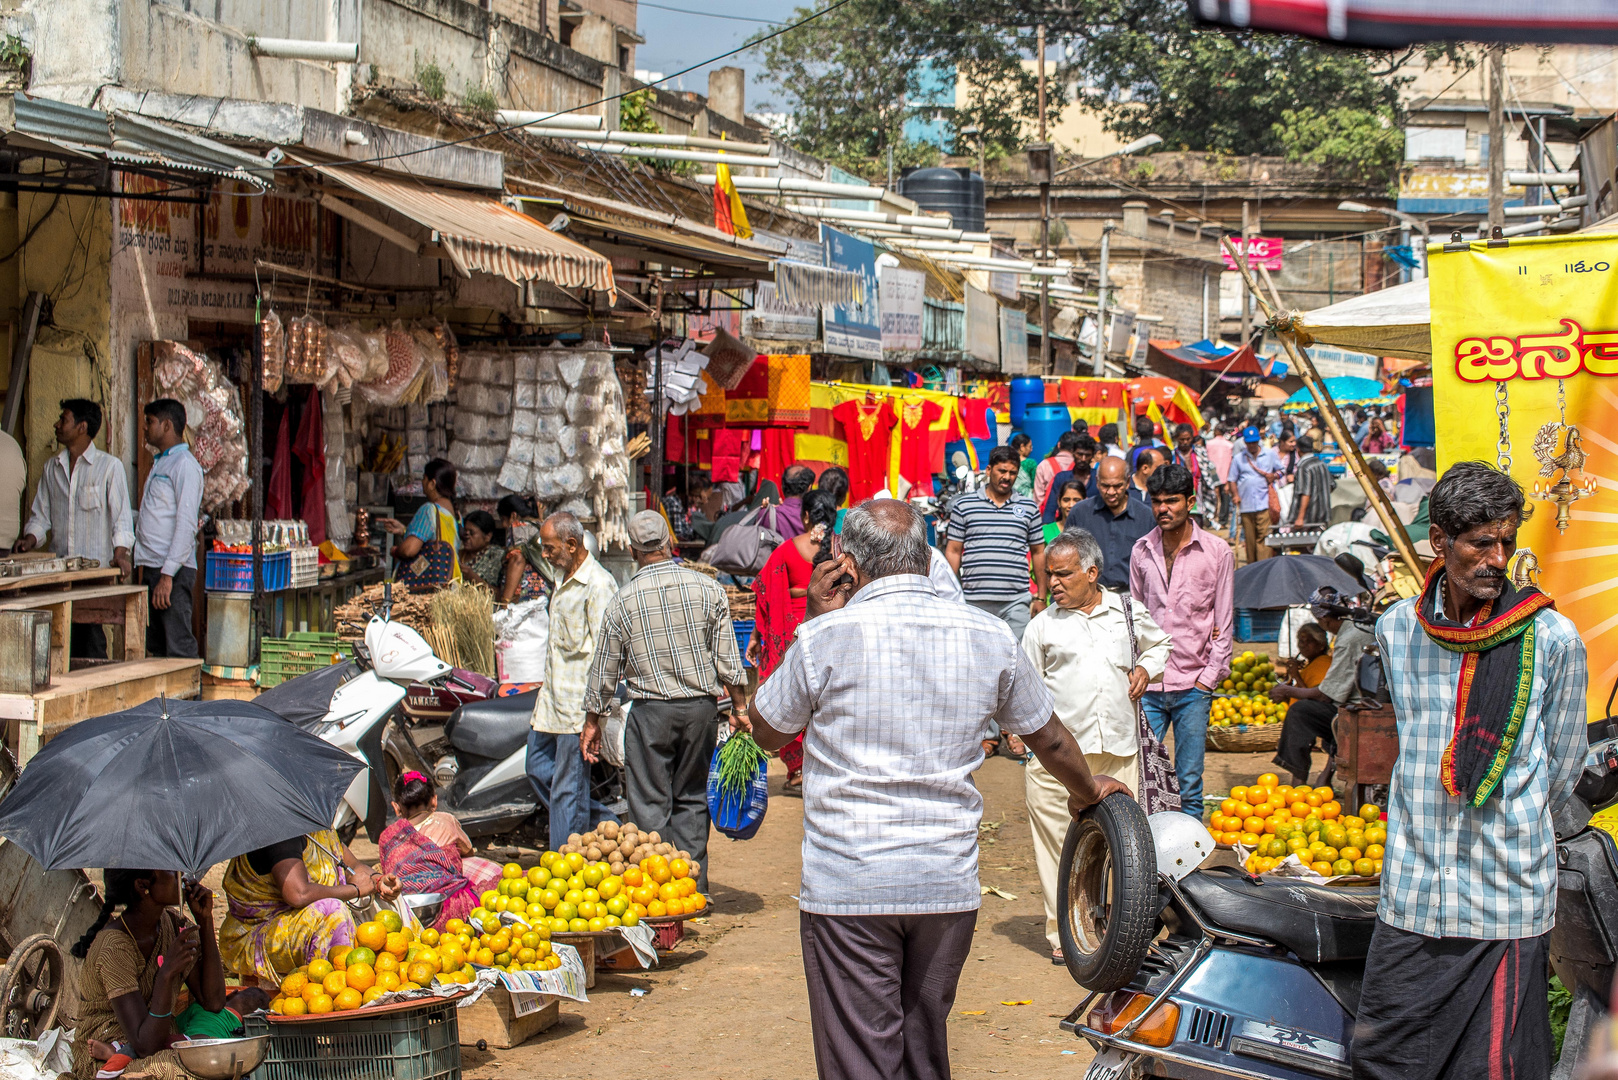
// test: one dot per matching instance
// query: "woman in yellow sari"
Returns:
(289, 904)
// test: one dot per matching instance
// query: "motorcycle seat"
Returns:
(491, 729)
(1320, 923)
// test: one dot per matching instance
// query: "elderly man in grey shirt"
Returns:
(891, 686)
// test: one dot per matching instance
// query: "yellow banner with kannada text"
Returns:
(1525, 371)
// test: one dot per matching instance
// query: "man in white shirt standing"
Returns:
(892, 686)
(1081, 648)
(166, 531)
(83, 506)
(582, 589)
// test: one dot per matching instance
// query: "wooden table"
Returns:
(123, 605)
(94, 691)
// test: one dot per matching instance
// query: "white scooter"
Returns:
(349, 705)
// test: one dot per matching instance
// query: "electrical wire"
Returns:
(711, 14)
(502, 130)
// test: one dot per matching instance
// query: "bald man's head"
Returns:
(1112, 480)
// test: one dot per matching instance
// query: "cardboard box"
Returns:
(501, 1021)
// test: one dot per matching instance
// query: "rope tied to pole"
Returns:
(1288, 322)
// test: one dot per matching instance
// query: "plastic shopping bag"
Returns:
(738, 813)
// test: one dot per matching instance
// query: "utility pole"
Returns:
(1497, 137)
(1100, 367)
(1044, 216)
(1247, 234)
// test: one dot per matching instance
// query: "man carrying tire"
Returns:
(1488, 684)
(892, 687)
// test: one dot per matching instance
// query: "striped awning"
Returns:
(481, 233)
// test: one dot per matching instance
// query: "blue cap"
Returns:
(1250, 435)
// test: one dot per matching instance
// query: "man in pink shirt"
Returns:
(1186, 577)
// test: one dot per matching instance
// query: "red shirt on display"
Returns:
(868, 429)
(915, 443)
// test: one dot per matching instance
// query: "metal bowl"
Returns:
(426, 905)
(222, 1059)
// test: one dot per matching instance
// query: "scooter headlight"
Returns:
(1118, 1010)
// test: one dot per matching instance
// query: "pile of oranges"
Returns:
(386, 956)
(1274, 820)
(565, 893)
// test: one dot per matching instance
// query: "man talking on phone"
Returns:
(892, 686)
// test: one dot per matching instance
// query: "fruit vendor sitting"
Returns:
(289, 904)
(143, 966)
(1313, 708)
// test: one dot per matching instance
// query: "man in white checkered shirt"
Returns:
(1455, 983)
(892, 686)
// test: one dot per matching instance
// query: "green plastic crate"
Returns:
(300, 652)
(416, 1044)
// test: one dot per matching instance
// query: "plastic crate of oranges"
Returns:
(1273, 820)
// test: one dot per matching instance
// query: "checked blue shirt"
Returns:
(1451, 870)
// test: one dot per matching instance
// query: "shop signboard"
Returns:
(1527, 332)
(1262, 251)
(1333, 362)
(982, 327)
(902, 296)
(200, 261)
(773, 319)
(1013, 341)
(853, 329)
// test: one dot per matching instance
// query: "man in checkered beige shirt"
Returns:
(892, 686)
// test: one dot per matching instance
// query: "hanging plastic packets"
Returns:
(273, 348)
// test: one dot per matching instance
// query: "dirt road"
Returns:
(730, 1004)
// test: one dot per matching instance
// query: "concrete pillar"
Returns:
(597, 38)
(1135, 218)
(727, 93)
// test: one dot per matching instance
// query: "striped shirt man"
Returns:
(1314, 481)
(996, 540)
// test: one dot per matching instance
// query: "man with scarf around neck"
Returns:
(1488, 684)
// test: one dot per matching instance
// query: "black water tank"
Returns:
(958, 191)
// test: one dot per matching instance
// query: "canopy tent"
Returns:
(1390, 322)
(1344, 390)
(1214, 357)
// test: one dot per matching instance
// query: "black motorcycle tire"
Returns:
(1106, 895)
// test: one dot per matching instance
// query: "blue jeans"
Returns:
(1187, 710)
(561, 779)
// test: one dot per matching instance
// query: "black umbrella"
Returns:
(1289, 579)
(173, 785)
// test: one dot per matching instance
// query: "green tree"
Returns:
(851, 77)
(1355, 145)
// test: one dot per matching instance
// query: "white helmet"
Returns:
(1182, 843)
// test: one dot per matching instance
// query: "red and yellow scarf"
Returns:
(1497, 677)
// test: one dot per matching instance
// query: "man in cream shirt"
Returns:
(1080, 646)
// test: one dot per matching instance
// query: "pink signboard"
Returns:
(1262, 251)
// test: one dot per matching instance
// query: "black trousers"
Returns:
(667, 748)
(168, 631)
(1306, 721)
(1453, 1009)
(880, 991)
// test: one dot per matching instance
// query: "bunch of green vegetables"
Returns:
(739, 759)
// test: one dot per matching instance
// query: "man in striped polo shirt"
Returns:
(992, 534)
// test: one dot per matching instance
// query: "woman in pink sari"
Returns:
(782, 593)
(429, 851)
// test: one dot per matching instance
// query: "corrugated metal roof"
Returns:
(133, 140)
(480, 233)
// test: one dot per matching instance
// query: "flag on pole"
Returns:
(729, 216)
